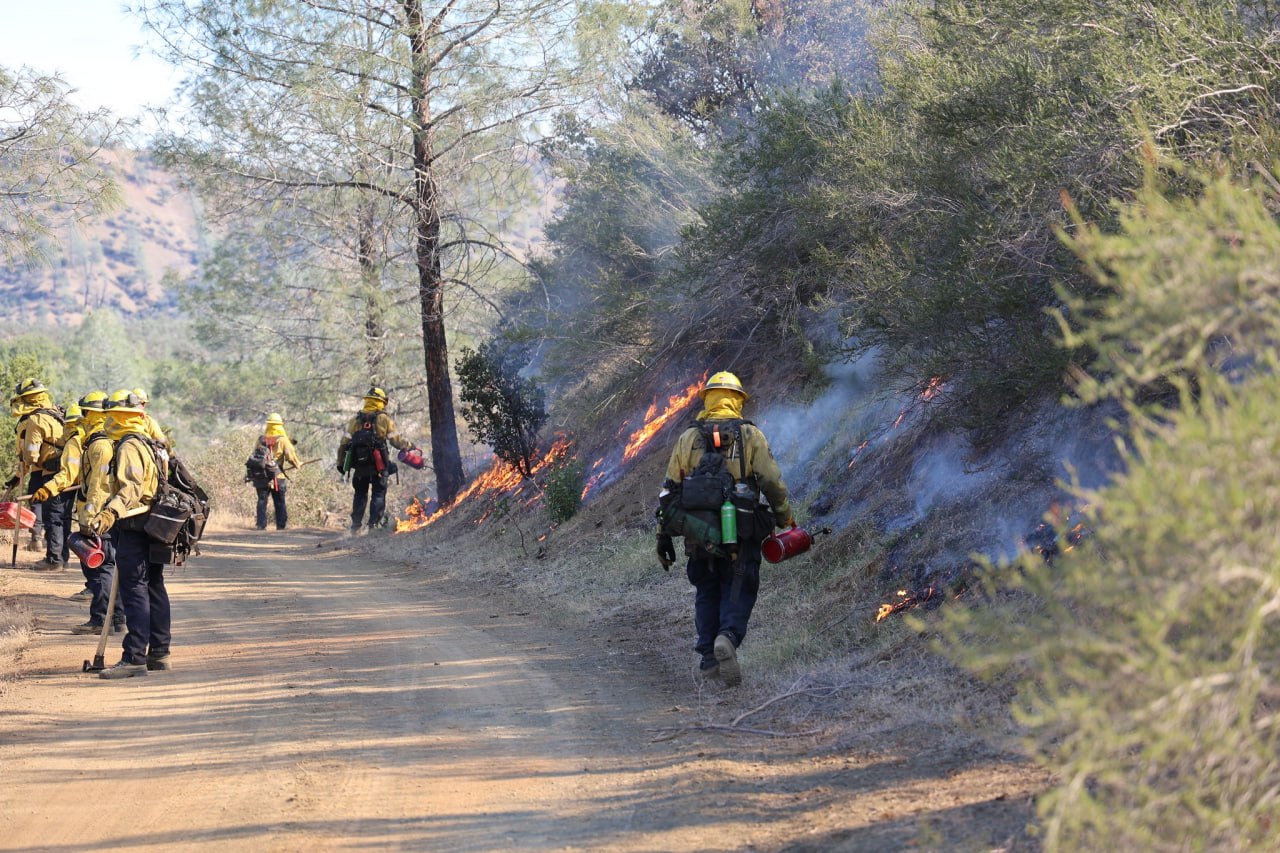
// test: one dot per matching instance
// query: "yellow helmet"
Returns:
(142, 395)
(73, 413)
(724, 379)
(94, 401)
(274, 418)
(27, 387)
(122, 401)
(376, 393)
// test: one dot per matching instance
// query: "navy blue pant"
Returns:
(54, 515)
(371, 489)
(715, 610)
(146, 601)
(99, 582)
(278, 504)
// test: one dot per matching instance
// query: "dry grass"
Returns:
(16, 630)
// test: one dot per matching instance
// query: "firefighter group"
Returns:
(90, 474)
(93, 472)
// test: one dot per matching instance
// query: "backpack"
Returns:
(366, 452)
(692, 508)
(54, 462)
(176, 518)
(261, 468)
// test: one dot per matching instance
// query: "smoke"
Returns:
(862, 451)
(848, 411)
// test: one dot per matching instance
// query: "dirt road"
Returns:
(324, 700)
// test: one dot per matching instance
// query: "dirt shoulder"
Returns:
(327, 699)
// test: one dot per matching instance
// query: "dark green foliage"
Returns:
(501, 408)
(924, 211)
(564, 485)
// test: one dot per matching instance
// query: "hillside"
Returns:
(120, 260)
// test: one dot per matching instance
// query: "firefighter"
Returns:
(363, 453)
(135, 477)
(279, 457)
(153, 430)
(40, 435)
(87, 456)
(725, 577)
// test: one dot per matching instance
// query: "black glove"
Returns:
(11, 482)
(666, 551)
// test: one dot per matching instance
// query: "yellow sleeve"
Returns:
(95, 472)
(387, 429)
(761, 462)
(68, 474)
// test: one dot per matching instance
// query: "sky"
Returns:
(93, 45)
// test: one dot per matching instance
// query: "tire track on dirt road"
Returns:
(324, 700)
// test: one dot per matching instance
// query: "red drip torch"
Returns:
(788, 543)
(412, 457)
(88, 548)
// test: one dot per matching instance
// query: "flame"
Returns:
(858, 450)
(654, 420)
(906, 601)
(498, 478)
(657, 416)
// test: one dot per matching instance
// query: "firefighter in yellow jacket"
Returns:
(152, 429)
(120, 511)
(276, 451)
(88, 450)
(726, 577)
(40, 434)
(363, 453)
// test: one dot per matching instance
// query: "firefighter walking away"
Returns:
(723, 494)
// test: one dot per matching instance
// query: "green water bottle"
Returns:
(728, 523)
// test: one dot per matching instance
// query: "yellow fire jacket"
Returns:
(136, 479)
(760, 463)
(68, 476)
(95, 475)
(39, 439)
(285, 454)
(383, 426)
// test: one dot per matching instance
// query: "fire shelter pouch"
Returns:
(167, 516)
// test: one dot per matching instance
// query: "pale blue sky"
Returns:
(91, 44)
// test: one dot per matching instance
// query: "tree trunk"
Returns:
(446, 455)
(370, 297)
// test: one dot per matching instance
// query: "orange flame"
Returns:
(654, 420)
(499, 477)
(651, 424)
(905, 601)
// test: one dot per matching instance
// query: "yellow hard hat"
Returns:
(73, 413)
(122, 401)
(724, 379)
(274, 418)
(27, 387)
(376, 393)
(94, 401)
(142, 395)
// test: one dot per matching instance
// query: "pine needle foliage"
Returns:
(1149, 656)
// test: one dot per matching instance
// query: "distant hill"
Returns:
(120, 260)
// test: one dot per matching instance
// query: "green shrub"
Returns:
(502, 409)
(565, 481)
(1149, 656)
